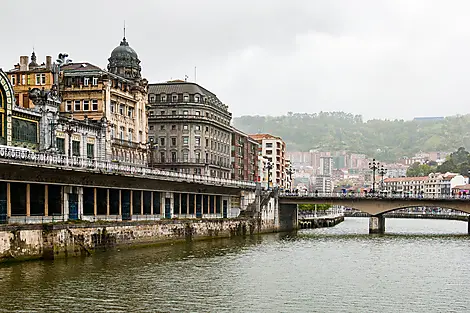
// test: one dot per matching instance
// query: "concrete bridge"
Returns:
(376, 207)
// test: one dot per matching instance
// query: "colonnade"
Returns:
(22, 202)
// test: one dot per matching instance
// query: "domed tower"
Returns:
(124, 61)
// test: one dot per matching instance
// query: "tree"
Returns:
(417, 170)
(311, 207)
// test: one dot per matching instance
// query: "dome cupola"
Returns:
(124, 61)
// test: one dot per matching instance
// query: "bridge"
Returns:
(377, 206)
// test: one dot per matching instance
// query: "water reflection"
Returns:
(340, 269)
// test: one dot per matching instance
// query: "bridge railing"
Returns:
(45, 159)
(374, 196)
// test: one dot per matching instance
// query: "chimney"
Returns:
(24, 63)
(48, 62)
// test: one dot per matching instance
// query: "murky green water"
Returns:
(419, 266)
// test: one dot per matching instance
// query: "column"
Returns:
(151, 202)
(377, 224)
(95, 204)
(141, 202)
(107, 202)
(28, 199)
(120, 203)
(8, 200)
(131, 203)
(46, 200)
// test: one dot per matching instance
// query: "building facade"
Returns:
(190, 129)
(274, 150)
(117, 97)
(244, 156)
(28, 75)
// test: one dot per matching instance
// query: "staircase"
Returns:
(251, 209)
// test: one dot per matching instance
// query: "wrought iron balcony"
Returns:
(125, 143)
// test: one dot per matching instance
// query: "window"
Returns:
(121, 133)
(121, 109)
(40, 79)
(198, 112)
(173, 112)
(185, 112)
(173, 127)
(151, 127)
(94, 105)
(162, 157)
(23, 79)
(196, 99)
(162, 141)
(113, 106)
(207, 128)
(113, 131)
(68, 107)
(185, 127)
(95, 81)
(173, 141)
(162, 98)
(198, 157)
(207, 142)
(269, 145)
(173, 156)
(162, 112)
(198, 141)
(130, 112)
(86, 81)
(90, 150)
(185, 140)
(60, 145)
(139, 139)
(86, 105)
(75, 148)
(77, 105)
(152, 99)
(130, 134)
(198, 127)
(185, 98)
(13, 80)
(174, 98)
(185, 156)
(162, 127)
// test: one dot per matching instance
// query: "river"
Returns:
(418, 266)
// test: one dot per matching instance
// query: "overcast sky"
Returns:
(382, 59)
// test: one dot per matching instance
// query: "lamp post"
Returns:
(151, 146)
(374, 165)
(269, 167)
(382, 171)
(289, 172)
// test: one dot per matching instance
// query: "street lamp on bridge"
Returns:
(382, 171)
(374, 165)
(289, 172)
(269, 167)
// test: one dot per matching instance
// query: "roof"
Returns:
(467, 186)
(403, 179)
(260, 137)
(80, 67)
(180, 86)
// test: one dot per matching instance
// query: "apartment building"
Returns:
(273, 149)
(435, 184)
(244, 157)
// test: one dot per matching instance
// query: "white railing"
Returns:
(375, 196)
(57, 160)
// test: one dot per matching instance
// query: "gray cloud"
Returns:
(385, 59)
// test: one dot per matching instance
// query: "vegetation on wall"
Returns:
(456, 162)
(386, 140)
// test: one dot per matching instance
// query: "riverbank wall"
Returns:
(51, 241)
(320, 222)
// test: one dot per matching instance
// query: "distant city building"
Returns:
(190, 129)
(435, 184)
(323, 181)
(274, 150)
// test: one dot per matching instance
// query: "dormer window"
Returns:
(152, 99)
(162, 98)
(95, 81)
(174, 98)
(196, 99)
(86, 81)
(186, 98)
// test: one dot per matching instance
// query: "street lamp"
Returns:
(151, 146)
(269, 167)
(382, 171)
(374, 165)
(289, 172)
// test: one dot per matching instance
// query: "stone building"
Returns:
(190, 129)
(27, 75)
(117, 97)
(244, 156)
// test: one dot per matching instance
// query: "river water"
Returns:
(418, 266)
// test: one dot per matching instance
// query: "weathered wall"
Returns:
(288, 217)
(62, 240)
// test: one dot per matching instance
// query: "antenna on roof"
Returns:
(124, 29)
(195, 74)
(185, 78)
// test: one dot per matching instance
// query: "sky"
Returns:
(395, 59)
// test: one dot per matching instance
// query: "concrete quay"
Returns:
(320, 221)
(51, 241)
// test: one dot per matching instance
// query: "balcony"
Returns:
(201, 162)
(186, 117)
(125, 143)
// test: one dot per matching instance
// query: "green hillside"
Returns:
(387, 140)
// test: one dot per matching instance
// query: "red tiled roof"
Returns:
(403, 179)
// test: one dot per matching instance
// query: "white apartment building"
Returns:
(274, 150)
(436, 184)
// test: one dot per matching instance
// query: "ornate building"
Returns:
(26, 75)
(190, 129)
(117, 96)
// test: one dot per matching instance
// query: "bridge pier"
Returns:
(377, 224)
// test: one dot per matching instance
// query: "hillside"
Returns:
(387, 140)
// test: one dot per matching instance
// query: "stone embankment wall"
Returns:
(320, 222)
(66, 240)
